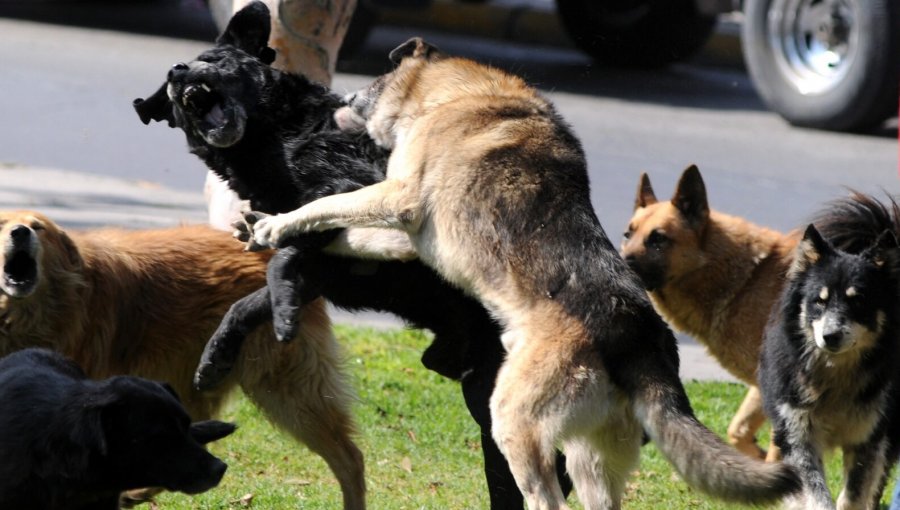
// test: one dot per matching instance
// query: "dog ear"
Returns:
(157, 107)
(416, 48)
(70, 249)
(80, 436)
(249, 30)
(645, 195)
(812, 248)
(883, 249)
(690, 197)
(211, 430)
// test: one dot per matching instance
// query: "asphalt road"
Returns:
(66, 92)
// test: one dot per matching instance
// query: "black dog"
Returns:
(272, 137)
(830, 365)
(70, 443)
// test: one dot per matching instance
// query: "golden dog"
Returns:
(491, 186)
(144, 303)
(713, 276)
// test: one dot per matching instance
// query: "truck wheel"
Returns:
(636, 33)
(828, 64)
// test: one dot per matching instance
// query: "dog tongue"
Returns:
(215, 116)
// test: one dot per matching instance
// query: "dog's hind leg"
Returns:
(601, 463)
(746, 422)
(223, 348)
(301, 388)
(292, 282)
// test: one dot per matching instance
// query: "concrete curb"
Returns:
(527, 23)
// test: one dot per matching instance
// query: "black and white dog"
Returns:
(71, 443)
(272, 136)
(830, 366)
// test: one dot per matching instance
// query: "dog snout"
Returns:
(20, 234)
(177, 69)
(833, 339)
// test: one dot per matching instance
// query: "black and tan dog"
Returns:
(143, 303)
(713, 276)
(71, 443)
(491, 186)
(830, 364)
(272, 136)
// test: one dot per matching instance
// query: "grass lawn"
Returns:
(422, 449)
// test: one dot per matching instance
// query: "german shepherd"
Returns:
(143, 303)
(713, 276)
(830, 364)
(272, 136)
(491, 185)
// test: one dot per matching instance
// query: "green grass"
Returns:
(422, 449)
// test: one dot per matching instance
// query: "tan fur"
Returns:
(722, 278)
(447, 120)
(144, 303)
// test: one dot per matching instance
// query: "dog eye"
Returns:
(38, 226)
(627, 234)
(656, 238)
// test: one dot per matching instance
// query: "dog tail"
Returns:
(854, 223)
(700, 456)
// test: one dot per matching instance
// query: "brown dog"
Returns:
(712, 276)
(491, 186)
(144, 303)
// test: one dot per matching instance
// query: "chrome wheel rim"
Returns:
(814, 42)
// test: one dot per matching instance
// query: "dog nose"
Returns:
(178, 68)
(833, 338)
(20, 233)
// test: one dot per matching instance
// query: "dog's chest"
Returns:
(836, 410)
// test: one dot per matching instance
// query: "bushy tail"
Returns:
(701, 457)
(854, 223)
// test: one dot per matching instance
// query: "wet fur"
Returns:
(491, 185)
(143, 303)
(819, 400)
(713, 276)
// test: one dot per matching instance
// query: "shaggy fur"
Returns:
(714, 277)
(491, 185)
(284, 150)
(143, 303)
(830, 365)
(70, 443)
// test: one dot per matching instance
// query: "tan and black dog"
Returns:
(714, 277)
(145, 302)
(491, 186)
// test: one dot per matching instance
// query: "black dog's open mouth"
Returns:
(217, 120)
(20, 274)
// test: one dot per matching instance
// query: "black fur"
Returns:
(823, 385)
(70, 443)
(289, 153)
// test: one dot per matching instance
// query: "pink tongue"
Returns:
(215, 116)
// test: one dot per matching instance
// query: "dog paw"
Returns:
(270, 231)
(243, 230)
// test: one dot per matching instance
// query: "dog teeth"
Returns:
(205, 87)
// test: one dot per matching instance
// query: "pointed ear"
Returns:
(690, 197)
(645, 195)
(157, 107)
(249, 30)
(812, 249)
(211, 430)
(881, 250)
(416, 48)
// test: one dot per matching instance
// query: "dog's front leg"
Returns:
(865, 473)
(388, 204)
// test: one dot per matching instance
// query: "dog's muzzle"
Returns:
(20, 268)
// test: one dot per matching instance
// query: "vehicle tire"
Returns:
(364, 18)
(828, 64)
(636, 33)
